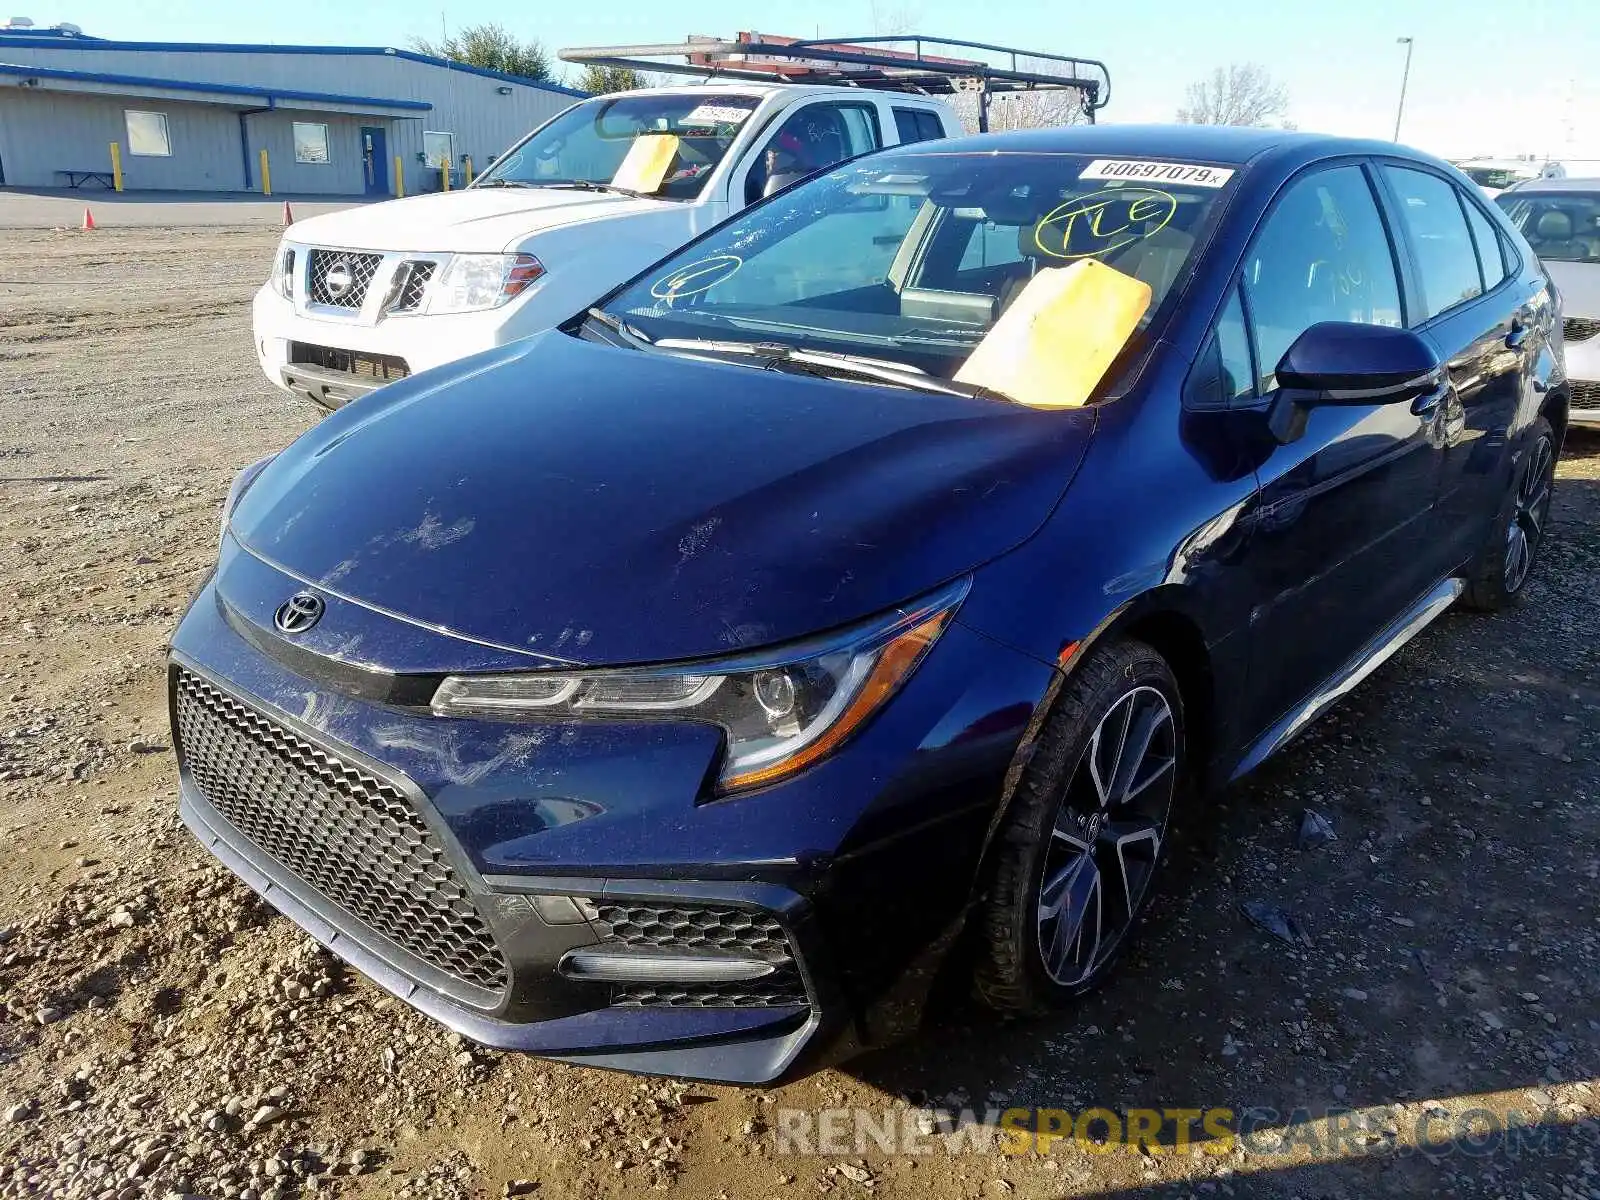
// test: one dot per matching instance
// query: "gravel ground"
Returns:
(162, 1033)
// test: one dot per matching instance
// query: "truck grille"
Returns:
(378, 367)
(1580, 329)
(703, 930)
(1585, 395)
(355, 838)
(340, 277)
(413, 283)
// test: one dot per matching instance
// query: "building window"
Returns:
(310, 142)
(437, 149)
(147, 134)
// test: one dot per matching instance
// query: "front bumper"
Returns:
(1583, 376)
(417, 343)
(858, 862)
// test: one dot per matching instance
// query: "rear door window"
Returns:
(1447, 261)
(1491, 258)
(1323, 255)
(917, 125)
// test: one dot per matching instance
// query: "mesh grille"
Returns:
(1585, 394)
(1580, 329)
(353, 837)
(329, 270)
(706, 931)
(414, 282)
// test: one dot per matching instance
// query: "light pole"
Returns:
(1404, 79)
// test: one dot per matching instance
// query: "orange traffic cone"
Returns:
(88, 219)
(288, 214)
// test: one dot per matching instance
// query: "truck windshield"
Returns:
(910, 257)
(587, 143)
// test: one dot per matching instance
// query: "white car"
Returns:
(1495, 175)
(1561, 220)
(367, 295)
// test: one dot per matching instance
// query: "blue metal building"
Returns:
(195, 117)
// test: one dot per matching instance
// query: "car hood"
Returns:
(604, 506)
(475, 220)
(1579, 284)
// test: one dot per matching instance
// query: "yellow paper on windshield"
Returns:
(1050, 348)
(646, 164)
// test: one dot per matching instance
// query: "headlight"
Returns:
(241, 484)
(782, 710)
(471, 282)
(283, 272)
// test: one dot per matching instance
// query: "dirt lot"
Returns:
(163, 1033)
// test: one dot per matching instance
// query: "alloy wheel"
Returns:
(1528, 519)
(1107, 836)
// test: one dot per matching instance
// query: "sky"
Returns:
(1487, 76)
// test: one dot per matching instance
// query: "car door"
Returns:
(1338, 534)
(809, 139)
(1468, 306)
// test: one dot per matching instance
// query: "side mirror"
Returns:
(1346, 363)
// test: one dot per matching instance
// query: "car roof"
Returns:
(1530, 187)
(1210, 143)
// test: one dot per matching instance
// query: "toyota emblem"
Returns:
(299, 612)
(339, 279)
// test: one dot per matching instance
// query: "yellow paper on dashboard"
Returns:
(1054, 343)
(647, 162)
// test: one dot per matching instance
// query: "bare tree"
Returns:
(493, 47)
(1024, 110)
(1238, 94)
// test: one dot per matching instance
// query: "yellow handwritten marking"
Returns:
(696, 278)
(1147, 204)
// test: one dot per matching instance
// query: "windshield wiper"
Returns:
(826, 365)
(589, 185)
(489, 183)
(630, 336)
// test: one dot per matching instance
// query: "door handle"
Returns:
(1518, 335)
(1428, 403)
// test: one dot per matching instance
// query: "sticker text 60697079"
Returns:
(1163, 172)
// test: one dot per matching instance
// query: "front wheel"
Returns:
(1503, 568)
(1086, 834)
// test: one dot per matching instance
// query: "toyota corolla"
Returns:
(702, 686)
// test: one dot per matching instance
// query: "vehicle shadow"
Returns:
(1451, 924)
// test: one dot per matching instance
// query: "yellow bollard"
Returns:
(266, 175)
(466, 170)
(116, 166)
(444, 177)
(399, 177)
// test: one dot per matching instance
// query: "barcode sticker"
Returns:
(1157, 172)
(717, 114)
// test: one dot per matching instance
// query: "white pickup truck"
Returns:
(368, 295)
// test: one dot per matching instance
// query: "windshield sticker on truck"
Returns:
(1162, 172)
(696, 277)
(1103, 222)
(717, 114)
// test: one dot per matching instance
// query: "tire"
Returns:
(1063, 849)
(1501, 572)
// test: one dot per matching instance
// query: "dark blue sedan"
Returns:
(700, 687)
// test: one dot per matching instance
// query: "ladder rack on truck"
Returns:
(932, 66)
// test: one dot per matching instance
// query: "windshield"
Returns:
(587, 143)
(909, 258)
(1562, 226)
(1497, 177)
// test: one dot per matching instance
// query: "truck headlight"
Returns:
(283, 272)
(782, 710)
(471, 282)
